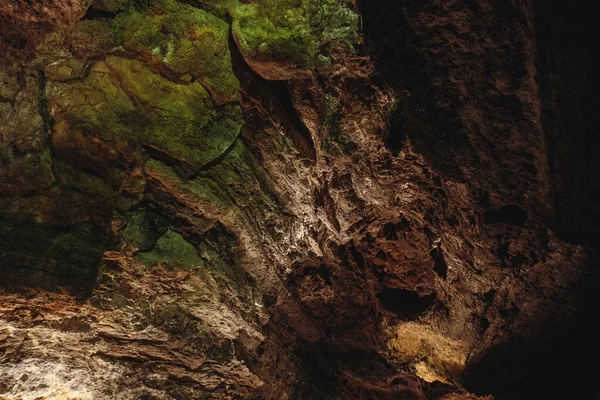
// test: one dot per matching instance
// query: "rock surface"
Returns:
(297, 200)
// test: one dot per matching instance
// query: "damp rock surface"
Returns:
(224, 199)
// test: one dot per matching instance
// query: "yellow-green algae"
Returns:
(186, 39)
(123, 99)
(190, 42)
(294, 30)
(173, 250)
(193, 37)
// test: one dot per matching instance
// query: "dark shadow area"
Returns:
(567, 76)
(405, 303)
(562, 367)
(93, 13)
(281, 91)
(319, 361)
(395, 134)
(34, 254)
(439, 263)
(511, 214)
(433, 131)
(389, 231)
(405, 42)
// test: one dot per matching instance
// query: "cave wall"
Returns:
(302, 200)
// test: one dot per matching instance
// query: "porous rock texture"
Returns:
(223, 199)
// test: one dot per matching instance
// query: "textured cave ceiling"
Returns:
(299, 199)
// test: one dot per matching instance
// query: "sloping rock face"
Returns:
(215, 199)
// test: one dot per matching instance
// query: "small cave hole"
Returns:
(395, 134)
(484, 324)
(511, 214)
(502, 251)
(484, 199)
(405, 303)
(529, 167)
(260, 350)
(94, 13)
(357, 256)
(520, 260)
(321, 271)
(19, 43)
(399, 381)
(452, 220)
(439, 263)
(17, 152)
(489, 295)
(389, 231)
(472, 220)
(269, 300)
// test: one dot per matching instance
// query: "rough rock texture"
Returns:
(298, 200)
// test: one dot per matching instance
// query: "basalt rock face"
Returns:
(301, 200)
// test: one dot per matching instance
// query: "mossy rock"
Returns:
(185, 42)
(123, 100)
(25, 160)
(173, 250)
(65, 69)
(280, 37)
(93, 37)
(86, 39)
(189, 41)
(244, 179)
(144, 228)
(9, 84)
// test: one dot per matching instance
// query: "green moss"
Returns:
(25, 161)
(65, 69)
(86, 39)
(236, 186)
(9, 84)
(124, 100)
(91, 37)
(172, 250)
(53, 47)
(188, 40)
(204, 189)
(294, 30)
